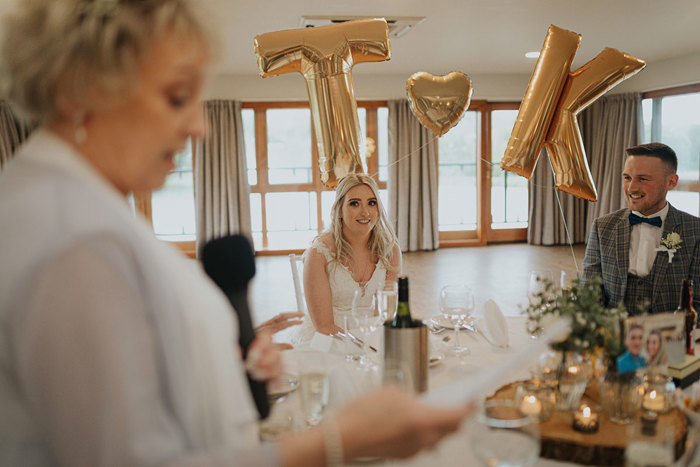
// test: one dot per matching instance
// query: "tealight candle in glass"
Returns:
(585, 419)
(658, 393)
(536, 400)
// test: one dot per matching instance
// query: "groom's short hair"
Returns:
(659, 150)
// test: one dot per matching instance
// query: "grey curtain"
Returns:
(546, 222)
(609, 126)
(13, 132)
(412, 183)
(223, 194)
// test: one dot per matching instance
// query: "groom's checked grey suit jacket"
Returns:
(607, 254)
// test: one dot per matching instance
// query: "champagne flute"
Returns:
(313, 386)
(366, 317)
(456, 302)
(388, 300)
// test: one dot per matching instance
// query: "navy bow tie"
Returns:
(635, 219)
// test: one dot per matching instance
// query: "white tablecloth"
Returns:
(346, 382)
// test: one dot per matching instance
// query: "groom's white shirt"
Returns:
(644, 240)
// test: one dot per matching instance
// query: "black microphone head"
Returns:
(229, 261)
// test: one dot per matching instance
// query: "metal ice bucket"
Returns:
(409, 347)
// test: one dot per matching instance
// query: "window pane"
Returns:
(327, 198)
(172, 207)
(289, 146)
(680, 129)
(509, 193)
(646, 117)
(249, 137)
(291, 219)
(457, 194)
(383, 142)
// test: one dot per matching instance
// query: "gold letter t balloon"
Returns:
(552, 101)
(325, 57)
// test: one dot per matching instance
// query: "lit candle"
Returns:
(530, 405)
(585, 420)
(654, 401)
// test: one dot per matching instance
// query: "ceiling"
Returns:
(473, 36)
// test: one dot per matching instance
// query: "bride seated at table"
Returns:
(358, 252)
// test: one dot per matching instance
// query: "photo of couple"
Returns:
(652, 341)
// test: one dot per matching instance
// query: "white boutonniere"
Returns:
(670, 244)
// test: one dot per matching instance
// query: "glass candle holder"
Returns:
(658, 393)
(535, 399)
(586, 419)
(621, 395)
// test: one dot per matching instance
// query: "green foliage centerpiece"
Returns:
(595, 329)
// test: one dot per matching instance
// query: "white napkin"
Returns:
(494, 324)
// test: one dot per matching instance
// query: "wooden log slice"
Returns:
(559, 441)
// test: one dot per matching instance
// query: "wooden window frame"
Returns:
(483, 234)
(656, 96)
(315, 186)
(142, 206)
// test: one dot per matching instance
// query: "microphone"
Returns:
(229, 261)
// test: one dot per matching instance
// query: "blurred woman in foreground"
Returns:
(117, 350)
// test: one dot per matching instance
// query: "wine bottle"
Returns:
(403, 312)
(691, 317)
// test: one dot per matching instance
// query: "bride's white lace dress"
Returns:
(343, 288)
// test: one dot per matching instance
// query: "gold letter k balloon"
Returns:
(552, 101)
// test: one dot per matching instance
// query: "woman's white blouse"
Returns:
(115, 349)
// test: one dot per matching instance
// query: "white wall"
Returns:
(292, 87)
(668, 73)
(657, 75)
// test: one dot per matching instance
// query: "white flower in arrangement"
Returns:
(670, 244)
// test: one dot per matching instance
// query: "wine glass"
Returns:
(503, 436)
(366, 318)
(456, 302)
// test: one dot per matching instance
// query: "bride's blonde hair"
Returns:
(381, 239)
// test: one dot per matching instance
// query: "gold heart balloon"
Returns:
(439, 101)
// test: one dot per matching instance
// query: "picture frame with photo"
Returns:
(652, 341)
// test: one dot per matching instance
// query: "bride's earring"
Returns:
(80, 133)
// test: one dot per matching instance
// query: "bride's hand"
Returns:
(280, 322)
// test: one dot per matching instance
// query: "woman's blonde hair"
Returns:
(660, 358)
(381, 239)
(82, 50)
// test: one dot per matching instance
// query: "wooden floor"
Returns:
(499, 272)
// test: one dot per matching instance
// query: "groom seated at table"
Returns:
(632, 359)
(629, 247)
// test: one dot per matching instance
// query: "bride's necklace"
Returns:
(361, 283)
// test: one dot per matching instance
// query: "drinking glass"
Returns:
(502, 436)
(456, 302)
(388, 299)
(313, 386)
(366, 318)
(277, 425)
